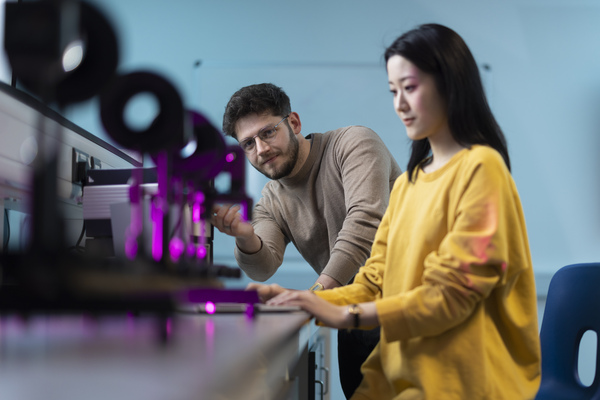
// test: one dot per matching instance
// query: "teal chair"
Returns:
(572, 308)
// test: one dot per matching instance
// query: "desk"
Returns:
(225, 356)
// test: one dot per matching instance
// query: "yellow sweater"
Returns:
(451, 274)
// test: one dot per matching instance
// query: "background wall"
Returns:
(543, 84)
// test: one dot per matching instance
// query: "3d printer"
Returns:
(70, 54)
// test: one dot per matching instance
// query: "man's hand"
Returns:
(227, 219)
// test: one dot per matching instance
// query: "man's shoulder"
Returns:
(358, 144)
(351, 130)
(353, 136)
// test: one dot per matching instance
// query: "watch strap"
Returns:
(355, 310)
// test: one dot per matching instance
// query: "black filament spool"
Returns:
(208, 158)
(99, 62)
(167, 132)
(34, 46)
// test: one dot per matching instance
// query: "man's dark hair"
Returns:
(264, 98)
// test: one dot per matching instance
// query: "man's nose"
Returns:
(261, 145)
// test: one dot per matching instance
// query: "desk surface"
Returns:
(203, 357)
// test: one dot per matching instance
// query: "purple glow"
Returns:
(176, 248)
(136, 219)
(191, 249)
(156, 243)
(131, 247)
(250, 311)
(197, 207)
(157, 232)
(196, 212)
(160, 205)
(168, 327)
(230, 157)
(244, 211)
(210, 328)
(201, 253)
(210, 307)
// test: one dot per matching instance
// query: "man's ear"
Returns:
(295, 123)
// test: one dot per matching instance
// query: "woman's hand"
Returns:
(265, 292)
(329, 314)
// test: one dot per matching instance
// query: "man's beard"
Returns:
(292, 158)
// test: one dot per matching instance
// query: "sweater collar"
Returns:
(428, 177)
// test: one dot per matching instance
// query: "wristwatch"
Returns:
(354, 309)
(316, 287)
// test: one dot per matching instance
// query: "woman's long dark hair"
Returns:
(441, 52)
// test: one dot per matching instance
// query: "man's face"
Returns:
(277, 158)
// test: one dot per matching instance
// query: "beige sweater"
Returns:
(330, 210)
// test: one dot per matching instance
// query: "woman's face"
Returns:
(417, 100)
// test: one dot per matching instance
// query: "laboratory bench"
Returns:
(187, 355)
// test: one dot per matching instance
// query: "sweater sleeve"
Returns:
(368, 172)
(261, 265)
(470, 261)
(368, 283)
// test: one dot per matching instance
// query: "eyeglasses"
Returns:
(266, 135)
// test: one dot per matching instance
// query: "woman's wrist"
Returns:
(354, 312)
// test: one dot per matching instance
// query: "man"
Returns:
(327, 195)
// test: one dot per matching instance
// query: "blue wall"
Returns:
(544, 84)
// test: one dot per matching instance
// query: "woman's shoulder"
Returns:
(487, 163)
(482, 154)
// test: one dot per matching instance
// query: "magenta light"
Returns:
(134, 230)
(196, 212)
(201, 253)
(157, 232)
(197, 207)
(157, 242)
(176, 248)
(210, 307)
(191, 250)
(131, 247)
(168, 327)
(210, 330)
(230, 157)
(244, 211)
(250, 311)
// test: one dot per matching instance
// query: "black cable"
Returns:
(6, 230)
(81, 235)
(78, 248)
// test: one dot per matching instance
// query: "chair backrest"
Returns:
(572, 308)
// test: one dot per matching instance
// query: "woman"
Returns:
(449, 279)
